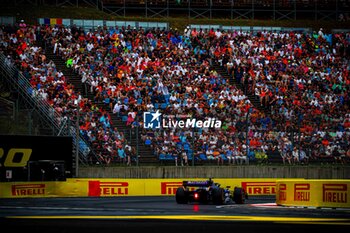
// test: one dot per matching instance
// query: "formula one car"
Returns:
(208, 192)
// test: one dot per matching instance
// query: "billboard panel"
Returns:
(19, 151)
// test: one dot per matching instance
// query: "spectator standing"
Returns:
(184, 158)
(304, 159)
(295, 155)
(128, 154)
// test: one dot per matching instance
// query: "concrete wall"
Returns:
(309, 172)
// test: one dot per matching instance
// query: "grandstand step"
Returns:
(146, 155)
(60, 64)
(253, 98)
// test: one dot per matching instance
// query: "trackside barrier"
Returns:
(74, 187)
(288, 192)
(313, 193)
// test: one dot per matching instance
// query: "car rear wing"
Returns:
(205, 183)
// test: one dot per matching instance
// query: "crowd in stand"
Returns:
(303, 80)
(23, 48)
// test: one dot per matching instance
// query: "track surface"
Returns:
(163, 214)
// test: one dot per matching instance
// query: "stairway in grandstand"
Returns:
(72, 77)
(146, 155)
(253, 98)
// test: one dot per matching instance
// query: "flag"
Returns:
(46, 21)
(53, 21)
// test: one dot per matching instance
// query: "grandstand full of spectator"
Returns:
(302, 78)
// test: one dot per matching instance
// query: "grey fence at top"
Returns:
(248, 28)
(88, 24)
(7, 20)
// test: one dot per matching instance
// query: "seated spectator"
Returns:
(229, 156)
(260, 155)
(210, 154)
(176, 155)
(244, 158)
(130, 119)
(338, 156)
(347, 156)
(239, 157)
(217, 156)
(122, 154)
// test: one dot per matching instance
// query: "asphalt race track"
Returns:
(163, 214)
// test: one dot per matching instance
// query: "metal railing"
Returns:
(60, 124)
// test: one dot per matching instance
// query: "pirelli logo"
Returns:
(97, 188)
(282, 194)
(335, 193)
(302, 192)
(259, 188)
(28, 189)
(169, 188)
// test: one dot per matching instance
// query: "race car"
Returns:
(208, 192)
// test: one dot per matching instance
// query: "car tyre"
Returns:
(218, 196)
(239, 195)
(181, 197)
